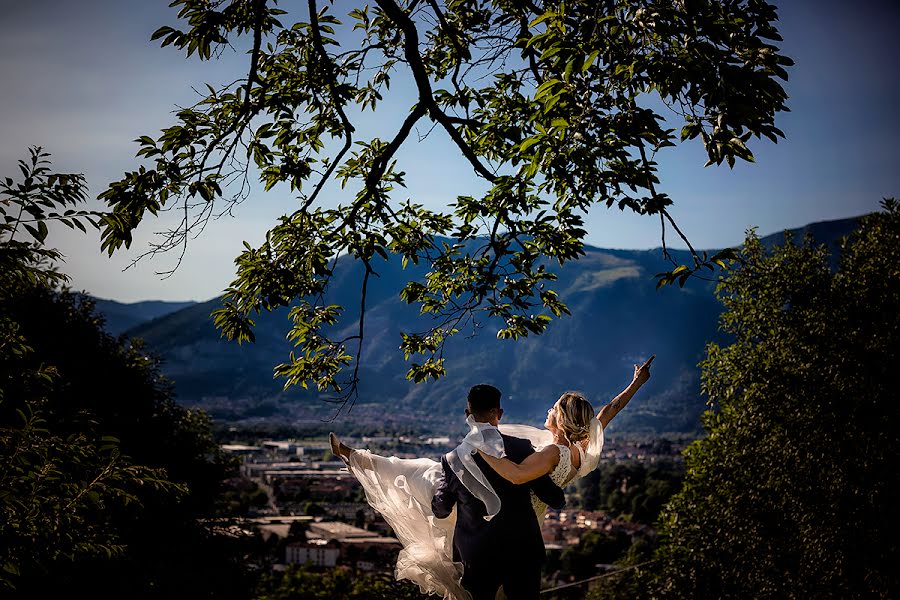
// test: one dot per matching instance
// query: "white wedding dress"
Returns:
(401, 491)
(562, 475)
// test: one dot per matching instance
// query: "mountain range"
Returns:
(120, 317)
(618, 319)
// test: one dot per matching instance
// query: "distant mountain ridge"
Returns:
(618, 318)
(826, 232)
(121, 316)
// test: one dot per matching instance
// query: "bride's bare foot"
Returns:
(339, 449)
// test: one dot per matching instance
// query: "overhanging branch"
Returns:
(347, 128)
(423, 84)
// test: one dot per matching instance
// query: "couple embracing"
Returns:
(470, 524)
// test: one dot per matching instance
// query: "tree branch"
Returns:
(252, 76)
(350, 394)
(379, 166)
(662, 209)
(426, 95)
(348, 128)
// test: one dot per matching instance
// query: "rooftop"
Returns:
(334, 530)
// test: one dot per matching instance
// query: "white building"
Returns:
(333, 530)
(240, 449)
(319, 553)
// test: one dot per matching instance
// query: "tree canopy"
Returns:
(793, 491)
(104, 479)
(558, 107)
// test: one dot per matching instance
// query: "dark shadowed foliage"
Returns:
(104, 479)
(794, 490)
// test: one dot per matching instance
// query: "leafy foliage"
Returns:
(300, 583)
(56, 493)
(546, 102)
(793, 492)
(26, 207)
(54, 485)
(630, 489)
(103, 476)
(594, 547)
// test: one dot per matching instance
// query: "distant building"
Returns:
(279, 525)
(354, 546)
(350, 510)
(332, 530)
(284, 447)
(317, 552)
(281, 519)
(277, 529)
(365, 565)
(268, 470)
(378, 439)
(438, 441)
(565, 528)
(240, 449)
(328, 465)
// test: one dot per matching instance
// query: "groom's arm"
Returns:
(445, 496)
(543, 487)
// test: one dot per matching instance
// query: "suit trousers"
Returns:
(520, 580)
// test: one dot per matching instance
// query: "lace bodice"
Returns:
(561, 476)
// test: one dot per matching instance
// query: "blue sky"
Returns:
(83, 80)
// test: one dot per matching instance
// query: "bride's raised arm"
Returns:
(535, 465)
(641, 375)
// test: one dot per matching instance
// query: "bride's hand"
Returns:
(642, 373)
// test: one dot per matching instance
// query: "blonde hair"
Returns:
(573, 416)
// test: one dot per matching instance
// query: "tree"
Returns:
(105, 479)
(594, 547)
(301, 583)
(630, 490)
(549, 103)
(52, 484)
(793, 491)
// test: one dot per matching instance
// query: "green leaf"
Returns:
(529, 142)
(547, 15)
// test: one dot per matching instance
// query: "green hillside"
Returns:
(619, 318)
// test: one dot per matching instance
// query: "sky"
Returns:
(83, 80)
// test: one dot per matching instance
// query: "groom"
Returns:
(507, 550)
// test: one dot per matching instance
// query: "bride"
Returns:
(401, 490)
(570, 445)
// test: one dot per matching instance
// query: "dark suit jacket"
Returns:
(514, 531)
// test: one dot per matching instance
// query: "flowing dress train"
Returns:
(401, 490)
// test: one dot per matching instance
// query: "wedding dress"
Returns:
(561, 475)
(564, 473)
(401, 491)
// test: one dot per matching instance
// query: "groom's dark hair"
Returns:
(482, 398)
